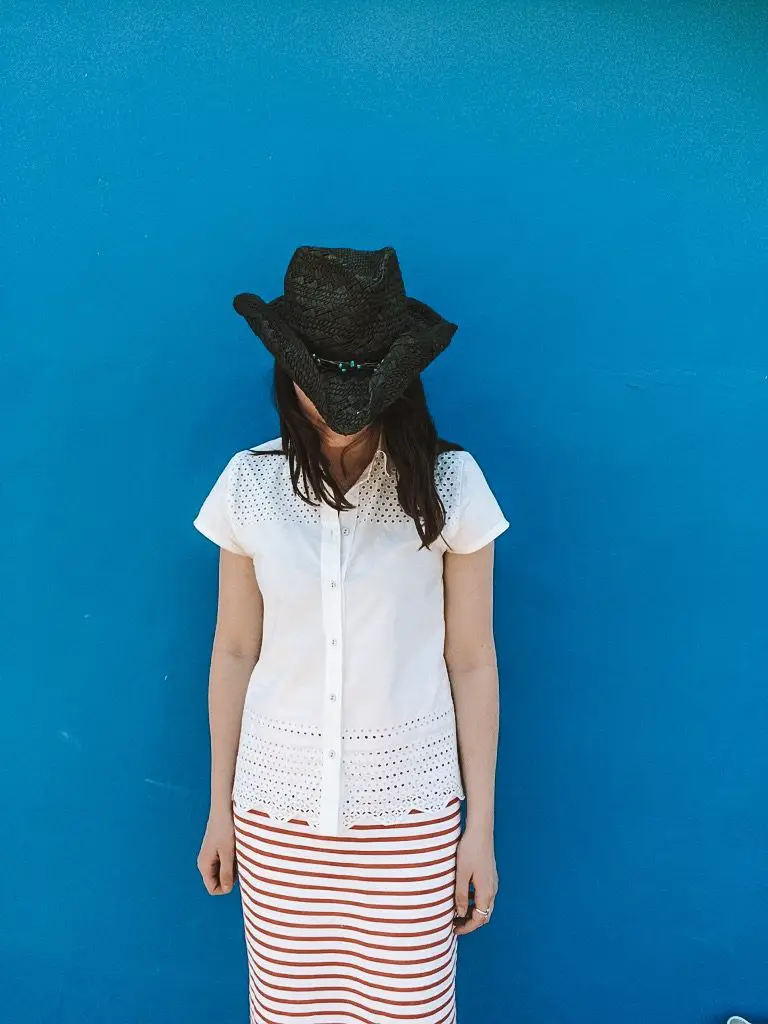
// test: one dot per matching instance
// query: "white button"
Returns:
(346, 530)
(333, 584)
(334, 642)
(331, 697)
(331, 753)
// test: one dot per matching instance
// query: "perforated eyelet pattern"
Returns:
(386, 773)
(260, 491)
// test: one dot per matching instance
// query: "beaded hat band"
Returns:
(343, 366)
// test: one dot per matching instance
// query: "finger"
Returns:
(468, 924)
(208, 867)
(461, 893)
(226, 869)
(483, 899)
(472, 922)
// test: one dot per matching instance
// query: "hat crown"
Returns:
(346, 303)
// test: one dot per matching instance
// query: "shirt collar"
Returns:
(381, 459)
(383, 456)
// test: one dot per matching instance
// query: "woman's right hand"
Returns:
(216, 860)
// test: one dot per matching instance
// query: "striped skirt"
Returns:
(349, 929)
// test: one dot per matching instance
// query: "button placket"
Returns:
(348, 523)
(332, 600)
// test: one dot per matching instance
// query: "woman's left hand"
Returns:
(475, 863)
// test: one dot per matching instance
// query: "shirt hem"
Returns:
(241, 805)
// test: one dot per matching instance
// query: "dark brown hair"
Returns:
(410, 439)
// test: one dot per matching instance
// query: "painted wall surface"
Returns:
(582, 187)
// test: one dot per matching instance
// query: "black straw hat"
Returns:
(346, 333)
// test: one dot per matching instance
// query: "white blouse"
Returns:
(348, 714)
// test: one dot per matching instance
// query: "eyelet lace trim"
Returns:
(260, 491)
(386, 773)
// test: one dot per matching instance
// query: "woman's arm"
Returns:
(236, 647)
(470, 655)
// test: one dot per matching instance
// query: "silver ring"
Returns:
(485, 913)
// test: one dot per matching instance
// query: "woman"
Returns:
(353, 686)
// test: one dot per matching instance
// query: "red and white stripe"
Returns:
(349, 929)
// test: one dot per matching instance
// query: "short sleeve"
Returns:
(214, 520)
(479, 519)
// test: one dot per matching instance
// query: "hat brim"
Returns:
(348, 402)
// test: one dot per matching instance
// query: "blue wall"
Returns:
(582, 187)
